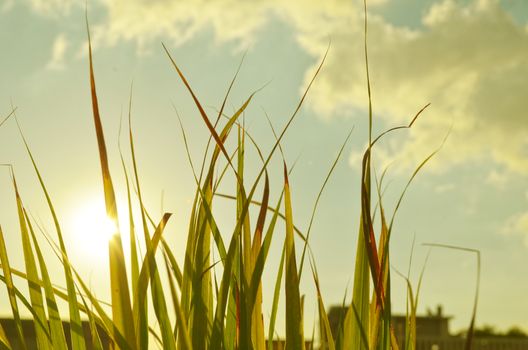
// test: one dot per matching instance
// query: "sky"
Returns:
(469, 59)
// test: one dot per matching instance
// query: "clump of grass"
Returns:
(209, 313)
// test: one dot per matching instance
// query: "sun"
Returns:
(92, 229)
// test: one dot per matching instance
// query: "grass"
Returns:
(210, 312)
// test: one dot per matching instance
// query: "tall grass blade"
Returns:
(35, 291)
(94, 334)
(326, 339)
(336, 160)
(77, 338)
(103, 320)
(146, 273)
(262, 255)
(140, 312)
(294, 315)
(275, 303)
(121, 307)
(55, 323)
(180, 327)
(134, 264)
(173, 264)
(158, 298)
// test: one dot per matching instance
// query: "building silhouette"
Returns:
(432, 333)
(28, 328)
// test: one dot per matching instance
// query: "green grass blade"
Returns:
(180, 328)
(358, 312)
(410, 324)
(469, 338)
(141, 326)
(201, 278)
(11, 290)
(223, 294)
(276, 297)
(6, 118)
(35, 291)
(294, 316)
(94, 334)
(77, 337)
(173, 264)
(121, 307)
(160, 307)
(216, 137)
(148, 267)
(103, 319)
(55, 323)
(4, 341)
(326, 339)
(262, 255)
(134, 264)
(336, 160)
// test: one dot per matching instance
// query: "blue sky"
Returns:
(469, 59)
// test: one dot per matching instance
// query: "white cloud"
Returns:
(58, 51)
(469, 61)
(143, 21)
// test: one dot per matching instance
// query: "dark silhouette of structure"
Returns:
(432, 333)
(28, 328)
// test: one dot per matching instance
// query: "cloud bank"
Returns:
(469, 60)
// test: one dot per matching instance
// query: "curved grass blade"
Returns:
(326, 339)
(226, 278)
(148, 268)
(336, 160)
(469, 338)
(18, 294)
(76, 334)
(103, 320)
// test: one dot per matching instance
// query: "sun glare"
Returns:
(92, 228)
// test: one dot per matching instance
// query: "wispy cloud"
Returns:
(58, 51)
